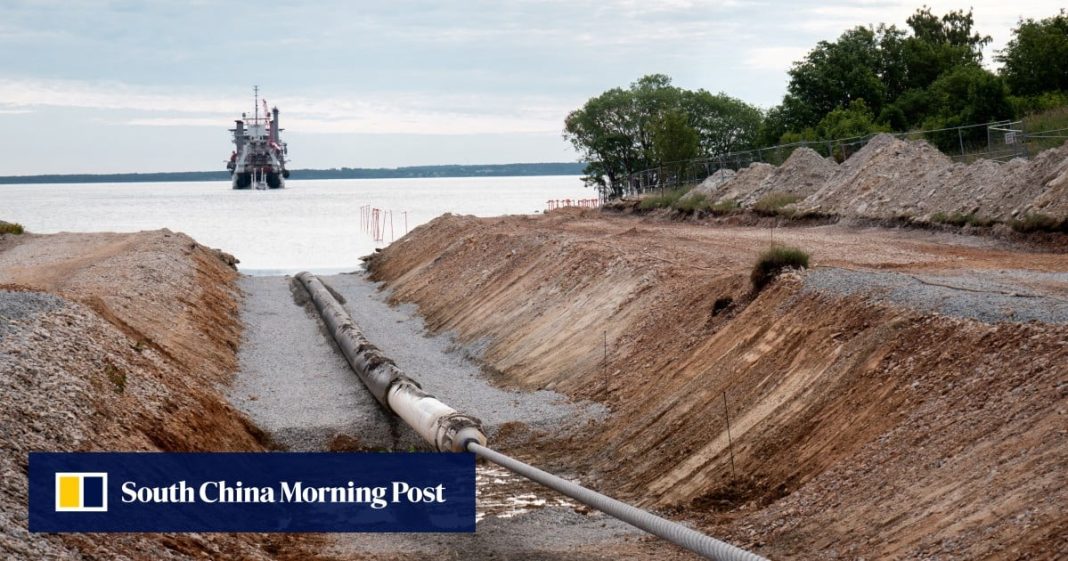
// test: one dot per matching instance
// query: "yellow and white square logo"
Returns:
(82, 492)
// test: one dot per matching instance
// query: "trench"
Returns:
(293, 383)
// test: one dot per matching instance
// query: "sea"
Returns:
(323, 226)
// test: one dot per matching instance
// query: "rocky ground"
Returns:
(118, 342)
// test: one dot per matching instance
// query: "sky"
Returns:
(91, 86)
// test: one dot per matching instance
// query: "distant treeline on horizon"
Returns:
(488, 170)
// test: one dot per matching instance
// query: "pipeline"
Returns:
(450, 431)
(437, 423)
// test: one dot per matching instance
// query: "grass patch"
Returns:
(1032, 223)
(116, 377)
(664, 200)
(11, 228)
(960, 219)
(691, 204)
(772, 204)
(773, 261)
(724, 207)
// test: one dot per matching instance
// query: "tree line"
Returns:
(870, 79)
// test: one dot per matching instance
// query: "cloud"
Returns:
(774, 58)
(402, 113)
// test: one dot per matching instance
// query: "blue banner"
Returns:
(251, 492)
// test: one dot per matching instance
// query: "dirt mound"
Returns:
(859, 429)
(802, 174)
(744, 183)
(891, 178)
(886, 178)
(710, 187)
(116, 342)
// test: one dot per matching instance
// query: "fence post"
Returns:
(960, 137)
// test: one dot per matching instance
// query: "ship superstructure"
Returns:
(259, 157)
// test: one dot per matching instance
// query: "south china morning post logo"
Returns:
(251, 492)
(81, 492)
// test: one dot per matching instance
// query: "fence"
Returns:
(1000, 140)
(376, 222)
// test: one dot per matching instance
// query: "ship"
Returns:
(258, 160)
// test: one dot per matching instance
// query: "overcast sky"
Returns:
(95, 86)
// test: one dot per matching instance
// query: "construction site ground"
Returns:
(905, 397)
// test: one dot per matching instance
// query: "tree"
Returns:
(603, 133)
(1035, 60)
(833, 75)
(939, 45)
(966, 95)
(723, 124)
(675, 142)
(849, 122)
(621, 132)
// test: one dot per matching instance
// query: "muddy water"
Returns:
(503, 494)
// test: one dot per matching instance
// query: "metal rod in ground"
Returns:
(730, 442)
(673, 532)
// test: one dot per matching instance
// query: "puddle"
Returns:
(503, 494)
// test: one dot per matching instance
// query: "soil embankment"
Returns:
(906, 398)
(117, 342)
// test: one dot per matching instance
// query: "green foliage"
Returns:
(853, 121)
(961, 219)
(653, 123)
(1032, 223)
(11, 228)
(1035, 60)
(927, 76)
(674, 140)
(962, 96)
(772, 204)
(664, 200)
(724, 124)
(773, 261)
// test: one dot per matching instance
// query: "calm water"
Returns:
(310, 225)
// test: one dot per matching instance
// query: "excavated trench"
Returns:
(901, 399)
(293, 382)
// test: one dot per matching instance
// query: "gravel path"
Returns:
(1012, 295)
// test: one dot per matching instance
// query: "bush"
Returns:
(772, 204)
(773, 261)
(691, 204)
(665, 200)
(1038, 223)
(960, 219)
(10, 228)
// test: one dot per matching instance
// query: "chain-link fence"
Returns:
(1000, 140)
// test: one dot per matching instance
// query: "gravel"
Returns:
(551, 533)
(17, 307)
(1011, 295)
(294, 383)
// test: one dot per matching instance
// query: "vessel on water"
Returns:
(259, 157)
